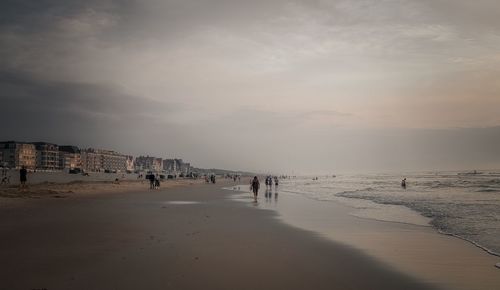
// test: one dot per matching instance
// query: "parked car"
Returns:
(75, 171)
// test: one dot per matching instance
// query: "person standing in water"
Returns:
(255, 187)
(403, 183)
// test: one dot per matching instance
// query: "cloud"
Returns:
(213, 78)
(28, 93)
(324, 113)
(78, 112)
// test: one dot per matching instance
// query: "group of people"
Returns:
(210, 179)
(255, 185)
(154, 181)
(270, 182)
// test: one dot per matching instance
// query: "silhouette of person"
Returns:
(23, 176)
(255, 187)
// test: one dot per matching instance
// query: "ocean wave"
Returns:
(465, 206)
(463, 220)
(347, 192)
(444, 221)
(492, 181)
(488, 190)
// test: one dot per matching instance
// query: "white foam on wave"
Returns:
(467, 206)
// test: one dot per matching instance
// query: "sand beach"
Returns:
(12, 195)
(185, 237)
(192, 235)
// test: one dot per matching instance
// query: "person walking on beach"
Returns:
(255, 187)
(157, 181)
(23, 177)
(151, 178)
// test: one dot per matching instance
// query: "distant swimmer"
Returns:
(403, 183)
(255, 187)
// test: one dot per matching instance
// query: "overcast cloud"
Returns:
(308, 86)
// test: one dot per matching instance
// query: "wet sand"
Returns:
(419, 251)
(188, 237)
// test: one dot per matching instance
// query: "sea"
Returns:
(462, 204)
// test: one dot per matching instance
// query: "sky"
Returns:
(269, 86)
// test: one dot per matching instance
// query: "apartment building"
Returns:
(69, 157)
(185, 168)
(149, 163)
(18, 154)
(113, 161)
(176, 166)
(47, 156)
(99, 160)
(169, 165)
(130, 163)
(91, 160)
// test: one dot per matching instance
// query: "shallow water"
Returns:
(463, 204)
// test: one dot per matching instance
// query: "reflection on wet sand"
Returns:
(269, 195)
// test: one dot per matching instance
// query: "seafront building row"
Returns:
(52, 157)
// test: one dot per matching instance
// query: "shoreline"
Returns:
(431, 224)
(485, 249)
(428, 223)
(441, 249)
